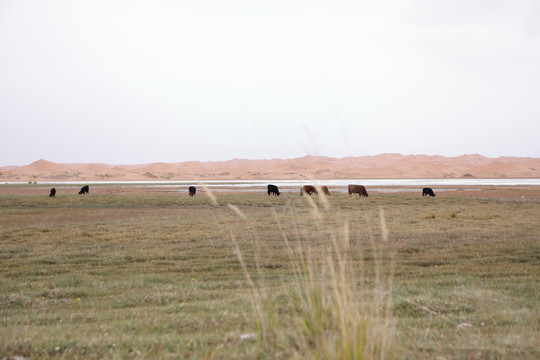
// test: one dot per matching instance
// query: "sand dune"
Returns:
(307, 167)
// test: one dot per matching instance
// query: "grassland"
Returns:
(164, 275)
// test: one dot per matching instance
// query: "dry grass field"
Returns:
(165, 275)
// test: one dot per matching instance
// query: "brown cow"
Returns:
(357, 189)
(308, 189)
(325, 190)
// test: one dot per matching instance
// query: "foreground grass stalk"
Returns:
(256, 299)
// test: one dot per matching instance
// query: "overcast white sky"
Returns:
(125, 82)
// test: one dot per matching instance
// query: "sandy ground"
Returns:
(492, 192)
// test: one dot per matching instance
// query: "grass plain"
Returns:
(165, 275)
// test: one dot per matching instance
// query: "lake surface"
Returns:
(298, 183)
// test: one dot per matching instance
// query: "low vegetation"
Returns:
(249, 276)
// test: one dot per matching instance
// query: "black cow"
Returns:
(427, 192)
(84, 190)
(273, 190)
(192, 190)
(53, 192)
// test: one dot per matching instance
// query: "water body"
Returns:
(334, 183)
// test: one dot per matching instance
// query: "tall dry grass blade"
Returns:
(375, 249)
(253, 236)
(299, 255)
(237, 211)
(314, 208)
(288, 246)
(323, 199)
(384, 228)
(388, 349)
(256, 300)
(346, 239)
(210, 194)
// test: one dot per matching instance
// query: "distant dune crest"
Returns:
(307, 167)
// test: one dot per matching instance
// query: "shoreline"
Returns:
(522, 192)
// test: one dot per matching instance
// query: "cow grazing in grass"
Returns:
(273, 190)
(325, 190)
(52, 193)
(192, 190)
(84, 190)
(357, 189)
(427, 192)
(308, 189)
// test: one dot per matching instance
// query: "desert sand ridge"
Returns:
(307, 167)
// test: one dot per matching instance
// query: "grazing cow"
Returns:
(53, 192)
(427, 192)
(308, 189)
(192, 190)
(357, 189)
(325, 190)
(84, 190)
(273, 190)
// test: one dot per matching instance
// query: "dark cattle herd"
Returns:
(273, 190)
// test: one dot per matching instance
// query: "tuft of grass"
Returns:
(325, 317)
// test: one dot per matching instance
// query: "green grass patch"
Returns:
(160, 276)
